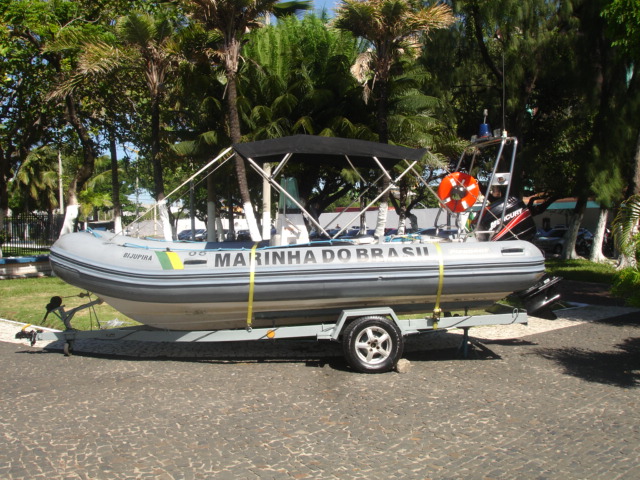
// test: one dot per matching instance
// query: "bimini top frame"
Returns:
(326, 151)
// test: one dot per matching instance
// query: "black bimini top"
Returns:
(323, 150)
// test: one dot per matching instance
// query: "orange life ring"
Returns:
(458, 191)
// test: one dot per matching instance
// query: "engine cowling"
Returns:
(518, 221)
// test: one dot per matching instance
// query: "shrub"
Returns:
(626, 285)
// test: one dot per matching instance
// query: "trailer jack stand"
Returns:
(463, 349)
(55, 306)
(67, 348)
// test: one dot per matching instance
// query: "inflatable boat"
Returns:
(288, 279)
(209, 286)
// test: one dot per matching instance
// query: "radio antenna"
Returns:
(504, 96)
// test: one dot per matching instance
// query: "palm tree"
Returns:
(232, 19)
(393, 28)
(37, 179)
(297, 80)
(147, 45)
(625, 231)
(150, 44)
(35, 184)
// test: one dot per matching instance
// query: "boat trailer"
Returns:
(372, 338)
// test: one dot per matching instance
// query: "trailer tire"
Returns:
(372, 344)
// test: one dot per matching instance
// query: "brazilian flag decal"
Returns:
(170, 261)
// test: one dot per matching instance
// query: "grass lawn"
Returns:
(582, 270)
(25, 300)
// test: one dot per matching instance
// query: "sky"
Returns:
(328, 4)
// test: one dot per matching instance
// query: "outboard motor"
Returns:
(518, 222)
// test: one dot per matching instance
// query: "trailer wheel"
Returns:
(372, 344)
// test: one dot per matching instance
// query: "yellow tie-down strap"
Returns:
(436, 309)
(252, 278)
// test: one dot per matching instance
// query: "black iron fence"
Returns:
(29, 233)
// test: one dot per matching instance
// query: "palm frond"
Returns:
(304, 124)
(136, 29)
(284, 104)
(100, 58)
(362, 69)
(209, 138)
(186, 148)
(625, 226)
(291, 7)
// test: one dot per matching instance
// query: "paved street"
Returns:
(562, 404)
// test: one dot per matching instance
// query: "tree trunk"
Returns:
(156, 160)
(211, 210)
(363, 216)
(624, 261)
(383, 137)
(84, 172)
(402, 223)
(3, 214)
(233, 48)
(596, 254)
(165, 221)
(266, 203)
(400, 205)
(569, 251)
(6, 173)
(636, 176)
(71, 211)
(115, 185)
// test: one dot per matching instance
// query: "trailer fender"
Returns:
(348, 316)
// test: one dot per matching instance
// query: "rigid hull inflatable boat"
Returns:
(285, 278)
(181, 286)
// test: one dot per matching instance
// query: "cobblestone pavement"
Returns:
(557, 404)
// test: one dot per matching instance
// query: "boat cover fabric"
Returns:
(312, 149)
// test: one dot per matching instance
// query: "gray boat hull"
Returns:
(187, 286)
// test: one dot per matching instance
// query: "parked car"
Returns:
(200, 235)
(554, 240)
(243, 236)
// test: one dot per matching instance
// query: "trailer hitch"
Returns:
(31, 335)
(56, 307)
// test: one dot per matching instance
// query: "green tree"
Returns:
(232, 19)
(392, 28)
(149, 41)
(614, 101)
(623, 18)
(413, 121)
(49, 28)
(141, 53)
(36, 182)
(551, 76)
(625, 229)
(297, 80)
(24, 76)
